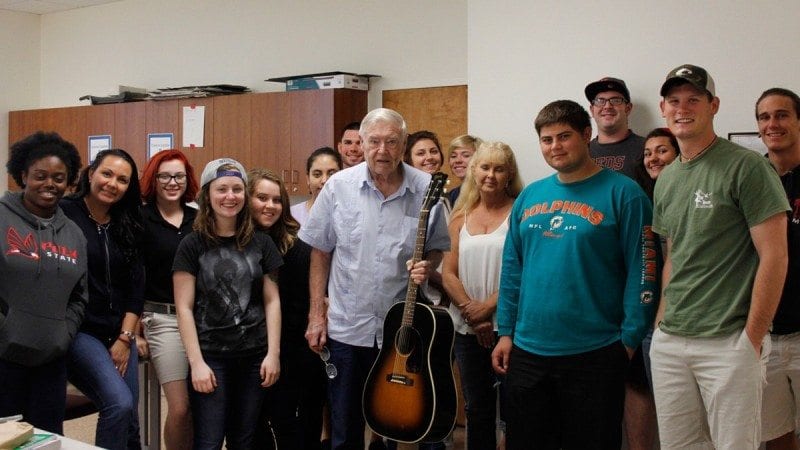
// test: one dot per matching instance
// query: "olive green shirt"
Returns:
(706, 207)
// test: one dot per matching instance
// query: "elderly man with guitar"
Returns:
(363, 230)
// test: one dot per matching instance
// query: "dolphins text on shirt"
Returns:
(565, 207)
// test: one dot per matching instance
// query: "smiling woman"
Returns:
(168, 184)
(228, 310)
(103, 359)
(293, 408)
(424, 152)
(43, 262)
(320, 165)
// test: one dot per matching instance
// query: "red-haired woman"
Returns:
(168, 185)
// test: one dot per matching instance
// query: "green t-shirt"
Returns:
(706, 207)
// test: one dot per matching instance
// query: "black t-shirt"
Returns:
(158, 245)
(293, 285)
(787, 318)
(228, 301)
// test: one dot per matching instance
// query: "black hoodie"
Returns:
(43, 284)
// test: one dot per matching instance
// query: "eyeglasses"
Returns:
(330, 369)
(615, 101)
(390, 143)
(165, 178)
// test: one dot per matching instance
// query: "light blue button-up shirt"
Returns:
(371, 237)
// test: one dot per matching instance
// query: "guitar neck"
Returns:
(419, 248)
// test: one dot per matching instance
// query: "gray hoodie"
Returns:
(43, 288)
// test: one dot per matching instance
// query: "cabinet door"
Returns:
(270, 141)
(129, 131)
(348, 106)
(125, 123)
(311, 128)
(232, 118)
(70, 123)
(318, 117)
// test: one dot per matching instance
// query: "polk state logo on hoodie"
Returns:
(27, 247)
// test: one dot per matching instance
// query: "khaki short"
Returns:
(782, 393)
(166, 348)
(708, 390)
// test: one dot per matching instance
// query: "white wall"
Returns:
(157, 43)
(523, 55)
(515, 55)
(19, 71)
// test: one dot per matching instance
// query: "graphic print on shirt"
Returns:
(28, 248)
(562, 211)
(796, 211)
(18, 246)
(225, 284)
(702, 199)
(614, 162)
(649, 263)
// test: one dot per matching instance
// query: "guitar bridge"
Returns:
(399, 379)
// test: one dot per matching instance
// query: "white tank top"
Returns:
(480, 257)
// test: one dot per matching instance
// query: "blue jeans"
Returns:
(91, 369)
(478, 382)
(344, 393)
(38, 393)
(566, 402)
(231, 411)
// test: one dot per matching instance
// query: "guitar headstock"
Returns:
(434, 191)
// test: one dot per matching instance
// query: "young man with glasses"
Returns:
(616, 147)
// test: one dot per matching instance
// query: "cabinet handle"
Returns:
(294, 188)
(283, 175)
(295, 176)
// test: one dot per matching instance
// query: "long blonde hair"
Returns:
(497, 152)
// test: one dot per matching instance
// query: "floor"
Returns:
(82, 429)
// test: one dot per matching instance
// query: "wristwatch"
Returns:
(131, 337)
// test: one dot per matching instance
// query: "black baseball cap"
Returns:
(607, 84)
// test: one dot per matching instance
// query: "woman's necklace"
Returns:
(100, 223)
(687, 159)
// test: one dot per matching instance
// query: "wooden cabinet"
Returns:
(287, 126)
(275, 130)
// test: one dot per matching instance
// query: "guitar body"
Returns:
(410, 393)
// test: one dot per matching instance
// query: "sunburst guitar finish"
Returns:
(410, 393)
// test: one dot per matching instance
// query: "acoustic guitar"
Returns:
(410, 393)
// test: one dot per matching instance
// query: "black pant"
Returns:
(292, 411)
(566, 402)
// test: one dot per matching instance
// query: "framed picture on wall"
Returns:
(750, 139)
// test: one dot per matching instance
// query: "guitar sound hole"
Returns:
(405, 340)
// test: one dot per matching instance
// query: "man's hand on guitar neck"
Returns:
(422, 269)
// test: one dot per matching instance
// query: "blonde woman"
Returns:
(471, 274)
